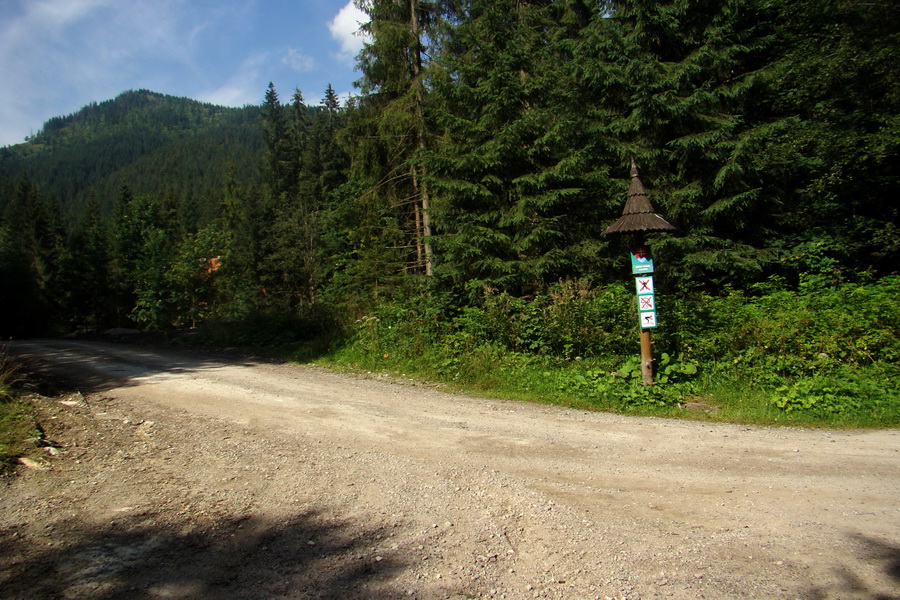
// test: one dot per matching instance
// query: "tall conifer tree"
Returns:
(391, 117)
(516, 209)
(671, 84)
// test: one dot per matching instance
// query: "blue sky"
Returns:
(58, 55)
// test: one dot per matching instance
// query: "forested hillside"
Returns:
(488, 148)
(152, 141)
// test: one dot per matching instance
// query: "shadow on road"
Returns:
(56, 366)
(884, 555)
(233, 559)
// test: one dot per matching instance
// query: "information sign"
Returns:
(641, 261)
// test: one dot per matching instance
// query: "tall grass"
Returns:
(16, 422)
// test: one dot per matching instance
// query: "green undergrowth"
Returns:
(17, 424)
(822, 357)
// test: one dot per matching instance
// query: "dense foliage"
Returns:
(824, 356)
(466, 187)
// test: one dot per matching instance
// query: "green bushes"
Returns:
(827, 356)
(841, 397)
(830, 354)
(791, 334)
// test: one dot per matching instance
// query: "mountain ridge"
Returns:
(152, 141)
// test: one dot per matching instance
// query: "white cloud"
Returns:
(54, 15)
(299, 62)
(243, 87)
(58, 55)
(344, 28)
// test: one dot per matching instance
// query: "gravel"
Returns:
(182, 475)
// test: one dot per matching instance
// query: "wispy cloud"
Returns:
(344, 28)
(243, 87)
(57, 55)
(299, 62)
(83, 47)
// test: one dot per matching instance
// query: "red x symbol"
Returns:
(646, 302)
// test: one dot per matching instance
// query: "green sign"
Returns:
(641, 261)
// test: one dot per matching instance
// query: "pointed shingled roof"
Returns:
(639, 214)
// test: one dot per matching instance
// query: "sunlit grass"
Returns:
(489, 371)
(16, 421)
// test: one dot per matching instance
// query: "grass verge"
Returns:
(17, 424)
(859, 399)
(823, 359)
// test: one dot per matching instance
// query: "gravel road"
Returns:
(180, 475)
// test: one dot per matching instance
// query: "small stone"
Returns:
(33, 464)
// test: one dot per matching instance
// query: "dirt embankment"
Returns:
(175, 475)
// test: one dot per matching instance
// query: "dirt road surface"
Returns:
(179, 475)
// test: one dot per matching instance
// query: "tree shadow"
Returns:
(851, 585)
(302, 557)
(57, 366)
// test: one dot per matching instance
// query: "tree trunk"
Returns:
(423, 235)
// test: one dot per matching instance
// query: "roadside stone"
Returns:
(33, 464)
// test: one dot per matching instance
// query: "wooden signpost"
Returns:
(640, 217)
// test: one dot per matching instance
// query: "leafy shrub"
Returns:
(624, 388)
(571, 319)
(841, 395)
(813, 354)
(784, 334)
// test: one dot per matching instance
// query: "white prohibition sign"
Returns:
(644, 285)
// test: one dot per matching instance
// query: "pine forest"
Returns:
(448, 217)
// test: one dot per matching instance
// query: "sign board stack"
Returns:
(642, 268)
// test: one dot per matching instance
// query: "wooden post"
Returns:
(646, 357)
(642, 268)
(638, 218)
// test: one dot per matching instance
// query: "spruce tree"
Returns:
(280, 164)
(90, 295)
(391, 118)
(835, 93)
(28, 262)
(511, 177)
(672, 84)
